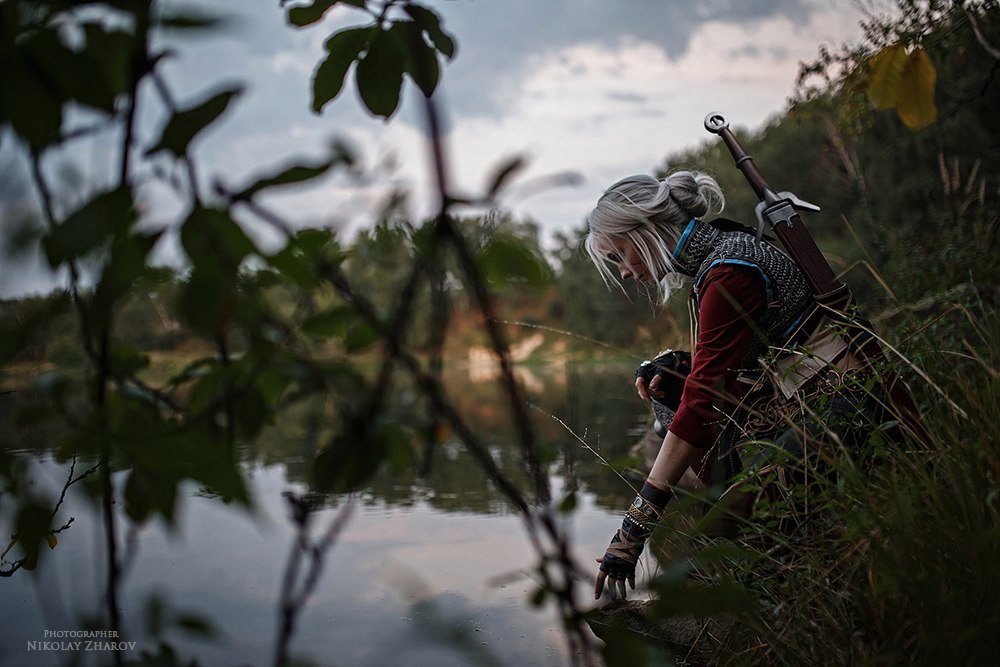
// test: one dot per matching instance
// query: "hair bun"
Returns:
(696, 193)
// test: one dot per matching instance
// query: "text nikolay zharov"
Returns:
(81, 640)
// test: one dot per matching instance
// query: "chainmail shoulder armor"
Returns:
(789, 296)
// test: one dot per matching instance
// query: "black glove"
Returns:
(619, 561)
(672, 367)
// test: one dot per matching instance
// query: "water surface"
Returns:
(431, 570)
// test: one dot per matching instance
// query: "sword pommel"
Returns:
(715, 122)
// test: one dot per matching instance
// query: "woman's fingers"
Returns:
(640, 386)
(599, 588)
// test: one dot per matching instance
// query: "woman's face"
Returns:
(630, 265)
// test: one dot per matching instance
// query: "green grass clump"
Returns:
(896, 561)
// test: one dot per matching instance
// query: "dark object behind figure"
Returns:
(672, 368)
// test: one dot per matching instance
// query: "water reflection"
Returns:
(430, 571)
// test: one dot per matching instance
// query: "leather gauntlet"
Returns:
(638, 524)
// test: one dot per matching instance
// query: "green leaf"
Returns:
(430, 22)
(126, 265)
(196, 626)
(123, 361)
(148, 493)
(687, 599)
(297, 173)
(185, 125)
(252, 412)
(380, 74)
(187, 18)
(212, 239)
(568, 503)
(915, 96)
(360, 336)
(33, 530)
(90, 226)
(884, 71)
(75, 76)
(506, 259)
(354, 456)
(419, 59)
(342, 49)
(31, 104)
(302, 16)
(111, 50)
(332, 322)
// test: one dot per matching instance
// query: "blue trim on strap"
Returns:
(684, 238)
(740, 262)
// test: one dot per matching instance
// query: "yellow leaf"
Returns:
(915, 96)
(53, 540)
(884, 71)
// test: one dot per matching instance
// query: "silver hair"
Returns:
(651, 214)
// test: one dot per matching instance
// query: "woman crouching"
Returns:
(760, 347)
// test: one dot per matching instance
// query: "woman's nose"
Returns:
(625, 271)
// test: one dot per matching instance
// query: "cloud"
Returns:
(603, 88)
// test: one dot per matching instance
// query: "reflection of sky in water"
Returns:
(399, 586)
(430, 571)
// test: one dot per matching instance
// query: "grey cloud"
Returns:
(497, 39)
(624, 96)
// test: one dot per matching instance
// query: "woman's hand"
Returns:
(616, 582)
(647, 392)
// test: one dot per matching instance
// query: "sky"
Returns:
(593, 88)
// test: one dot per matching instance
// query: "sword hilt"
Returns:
(716, 123)
(779, 210)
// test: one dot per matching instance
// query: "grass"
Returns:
(897, 561)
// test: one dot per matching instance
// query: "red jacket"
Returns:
(732, 298)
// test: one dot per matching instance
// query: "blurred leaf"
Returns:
(84, 230)
(360, 335)
(332, 322)
(111, 50)
(354, 456)
(212, 238)
(885, 69)
(506, 259)
(419, 59)
(304, 15)
(32, 104)
(294, 174)
(688, 599)
(272, 384)
(252, 412)
(380, 74)
(915, 96)
(430, 22)
(126, 265)
(123, 361)
(568, 503)
(196, 626)
(53, 540)
(506, 171)
(206, 390)
(187, 18)
(33, 530)
(185, 125)
(343, 48)
(148, 493)
(73, 76)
